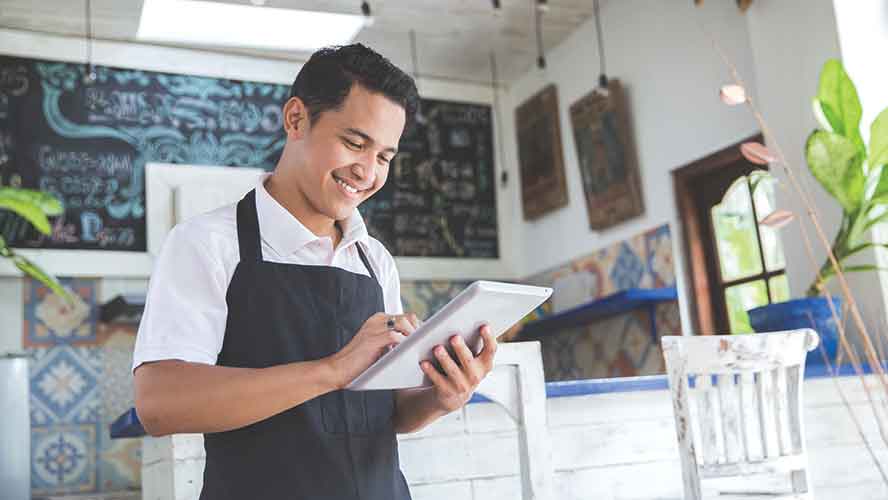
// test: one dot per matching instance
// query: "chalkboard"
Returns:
(88, 144)
(440, 199)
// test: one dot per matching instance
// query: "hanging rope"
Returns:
(494, 82)
(538, 19)
(602, 78)
(90, 75)
(414, 56)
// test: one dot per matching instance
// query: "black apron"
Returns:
(338, 446)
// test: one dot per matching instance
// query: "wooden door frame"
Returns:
(701, 304)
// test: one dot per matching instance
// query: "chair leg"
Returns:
(800, 481)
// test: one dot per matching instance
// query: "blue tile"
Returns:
(627, 270)
(63, 459)
(660, 259)
(65, 385)
(49, 320)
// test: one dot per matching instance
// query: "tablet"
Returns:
(499, 305)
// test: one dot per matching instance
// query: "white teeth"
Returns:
(347, 187)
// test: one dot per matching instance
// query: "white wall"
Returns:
(672, 76)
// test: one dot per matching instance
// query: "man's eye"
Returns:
(385, 160)
(353, 145)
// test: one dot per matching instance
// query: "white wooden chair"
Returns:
(744, 417)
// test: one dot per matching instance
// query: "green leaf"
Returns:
(756, 177)
(839, 101)
(878, 146)
(875, 220)
(4, 250)
(33, 206)
(863, 268)
(836, 163)
(34, 271)
(860, 248)
(48, 204)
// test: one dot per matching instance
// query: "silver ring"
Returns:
(390, 323)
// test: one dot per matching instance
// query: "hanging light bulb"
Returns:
(496, 4)
(543, 5)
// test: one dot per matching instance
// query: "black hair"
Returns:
(325, 80)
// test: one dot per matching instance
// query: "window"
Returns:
(735, 263)
(750, 255)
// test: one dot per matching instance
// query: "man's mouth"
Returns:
(349, 188)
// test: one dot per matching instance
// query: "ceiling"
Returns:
(454, 38)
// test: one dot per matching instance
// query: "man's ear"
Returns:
(295, 118)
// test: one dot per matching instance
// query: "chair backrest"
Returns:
(747, 390)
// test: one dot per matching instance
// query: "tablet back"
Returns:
(497, 304)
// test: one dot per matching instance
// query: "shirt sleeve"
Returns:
(185, 310)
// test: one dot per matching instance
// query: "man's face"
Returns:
(346, 152)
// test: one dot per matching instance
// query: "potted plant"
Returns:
(853, 173)
(36, 208)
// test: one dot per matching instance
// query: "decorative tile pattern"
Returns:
(659, 256)
(64, 385)
(63, 459)
(116, 375)
(424, 297)
(120, 462)
(50, 320)
(69, 375)
(622, 345)
(627, 270)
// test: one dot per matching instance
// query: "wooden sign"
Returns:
(540, 158)
(606, 155)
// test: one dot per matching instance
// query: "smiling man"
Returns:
(260, 313)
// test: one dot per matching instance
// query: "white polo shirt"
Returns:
(185, 310)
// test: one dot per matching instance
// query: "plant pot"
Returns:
(810, 312)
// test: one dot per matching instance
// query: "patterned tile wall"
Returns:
(80, 382)
(618, 346)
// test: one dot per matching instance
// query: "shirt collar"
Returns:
(286, 234)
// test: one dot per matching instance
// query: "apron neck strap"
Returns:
(248, 229)
(366, 261)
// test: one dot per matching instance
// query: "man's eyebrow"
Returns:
(366, 137)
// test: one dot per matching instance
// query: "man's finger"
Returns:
(413, 319)
(453, 371)
(432, 373)
(490, 345)
(401, 323)
(465, 355)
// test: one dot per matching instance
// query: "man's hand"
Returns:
(455, 387)
(373, 339)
